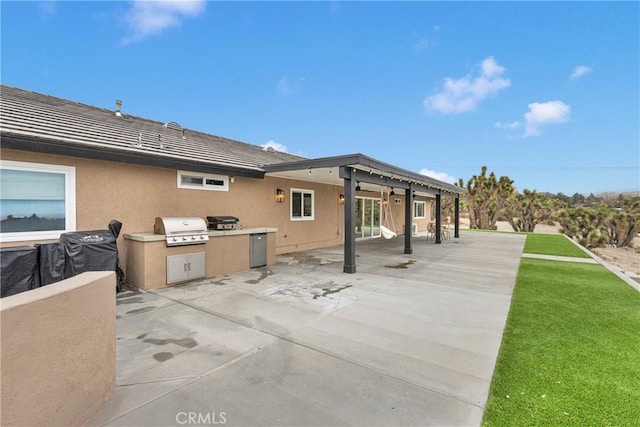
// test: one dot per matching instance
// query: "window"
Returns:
(202, 181)
(37, 201)
(302, 205)
(419, 209)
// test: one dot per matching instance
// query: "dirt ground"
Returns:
(627, 259)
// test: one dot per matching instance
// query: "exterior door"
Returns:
(367, 217)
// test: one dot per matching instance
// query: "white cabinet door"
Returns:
(185, 267)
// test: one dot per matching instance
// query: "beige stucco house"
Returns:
(66, 167)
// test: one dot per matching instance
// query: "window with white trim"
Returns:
(302, 204)
(37, 201)
(202, 181)
(419, 210)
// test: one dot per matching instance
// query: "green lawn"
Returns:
(552, 244)
(570, 353)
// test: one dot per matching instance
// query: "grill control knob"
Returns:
(184, 239)
(193, 237)
(201, 237)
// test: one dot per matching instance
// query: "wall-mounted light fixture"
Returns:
(392, 192)
(279, 195)
(341, 199)
(358, 186)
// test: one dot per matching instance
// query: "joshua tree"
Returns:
(525, 211)
(604, 224)
(583, 224)
(486, 198)
(621, 223)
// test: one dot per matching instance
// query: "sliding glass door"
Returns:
(367, 217)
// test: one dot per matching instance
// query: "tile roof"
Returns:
(30, 115)
(35, 122)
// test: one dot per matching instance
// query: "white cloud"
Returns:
(464, 94)
(545, 113)
(579, 71)
(286, 87)
(438, 175)
(512, 125)
(150, 17)
(275, 145)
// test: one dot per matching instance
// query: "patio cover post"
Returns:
(349, 219)
(456, 227)
(408, 196)
(438, 219)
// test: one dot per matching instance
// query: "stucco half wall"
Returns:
(58, 351)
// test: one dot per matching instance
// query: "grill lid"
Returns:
(182, 230)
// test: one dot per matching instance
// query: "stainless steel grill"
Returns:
(222, 222)
(179, 231)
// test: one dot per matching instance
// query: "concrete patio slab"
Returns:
(287, 384)
(407, 340)
(176, 342)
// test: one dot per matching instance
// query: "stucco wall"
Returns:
(136, 195)
(58, 351)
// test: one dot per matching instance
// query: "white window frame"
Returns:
(69, 200)
(204, 185)
(302, 191)
(424, 209)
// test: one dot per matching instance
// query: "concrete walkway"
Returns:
(408, 340)
(561, 258)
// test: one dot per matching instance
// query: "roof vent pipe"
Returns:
(118, 108)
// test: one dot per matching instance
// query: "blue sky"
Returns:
(546, 93)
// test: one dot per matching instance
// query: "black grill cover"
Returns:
(50, 262)
(89, 251)
(19, 270)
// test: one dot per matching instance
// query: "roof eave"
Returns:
(51, 146)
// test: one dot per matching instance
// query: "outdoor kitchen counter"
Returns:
(226, 252)
(153, 237)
